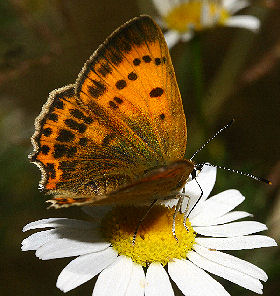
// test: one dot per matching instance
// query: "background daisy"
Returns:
(120, 273)
(183, 17)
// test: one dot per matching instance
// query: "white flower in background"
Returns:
(183, 17)
(104, 246)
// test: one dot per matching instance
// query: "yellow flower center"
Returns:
(196, 15)
(154, 241)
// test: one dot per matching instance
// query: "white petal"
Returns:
(237, 243)
(231, 262)
(157, 281)
(83, 268)
(114, 280)
(229, 217)
(136, 285)
(231, 229)
(59, 222)
(72, 245)
(206, 179)
(244, 21)
(171, 38)
(164, 7)
(232, 216)
(192, 280)
(217, 206)
(235, 5)
(227, 273)
(38, 239)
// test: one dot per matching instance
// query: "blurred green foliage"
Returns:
(222, 74)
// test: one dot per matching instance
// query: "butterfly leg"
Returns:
(177, 208)
(186, 215)
(186, 209)
(141, 220)
(201, 194)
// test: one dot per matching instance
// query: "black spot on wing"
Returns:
(118, 100)
(50, 170)
(105, 69)
(116, 58)
(53, 117)
(113, 105)
(47, 131)
(58, 104)
(61, 150)
(74, 125)
(97, 89)
(157, 61)
(120, 84)
(65, 136)
(132, 76)
(162, 116)
(147, 59)
(156, 92)
(45, 149)
(80, 115)
(136, 62)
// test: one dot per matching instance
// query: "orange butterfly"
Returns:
(118, 135)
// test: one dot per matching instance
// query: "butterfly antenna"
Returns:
(209, 140)
(237, 172)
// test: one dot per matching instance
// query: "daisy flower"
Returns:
(183, 17)
(103, 246)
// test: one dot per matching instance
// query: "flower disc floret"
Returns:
(154, 241)
(189, 15)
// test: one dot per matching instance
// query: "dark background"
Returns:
(222, 73)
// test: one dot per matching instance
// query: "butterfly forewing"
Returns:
(130, 81)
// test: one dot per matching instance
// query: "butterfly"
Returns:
(118, 134)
